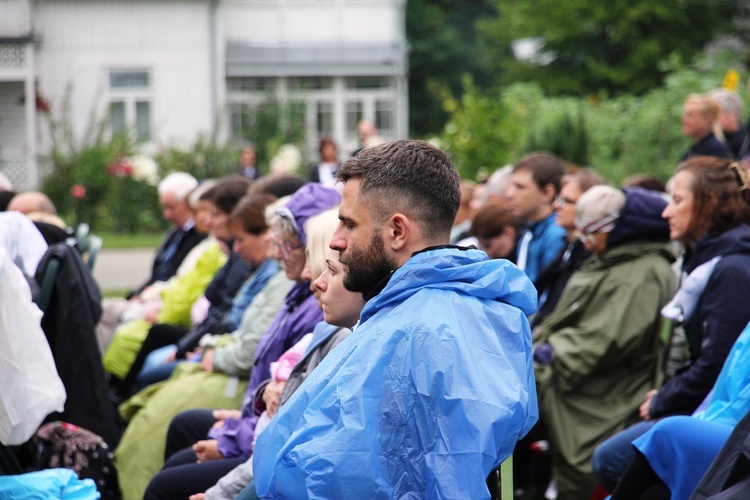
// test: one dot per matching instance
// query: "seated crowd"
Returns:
(398, 332)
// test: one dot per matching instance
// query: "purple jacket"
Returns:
(235, 437)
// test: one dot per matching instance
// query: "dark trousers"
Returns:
(187, 428)
(182, 475)
(640, 482)
(160, 335)
(181, 481)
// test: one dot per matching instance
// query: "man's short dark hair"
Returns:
(227, 192)
(411, 177)
(545, 168)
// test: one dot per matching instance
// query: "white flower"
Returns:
(287, 160)
(145, 169)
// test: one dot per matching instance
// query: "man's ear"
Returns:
(399, 231)
(549, 192)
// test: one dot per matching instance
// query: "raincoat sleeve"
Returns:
(411, 411)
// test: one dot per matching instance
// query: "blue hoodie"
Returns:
(425, 398)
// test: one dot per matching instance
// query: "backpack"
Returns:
(60, 444)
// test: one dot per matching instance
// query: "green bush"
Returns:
(618, 137)
(103, 181)
(205, 159)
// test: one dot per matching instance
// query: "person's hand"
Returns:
(207, 361)
(543, 354)
(222, 415)
(644, 408)
(171, 358)
(193, 354)
(152, 315)
(197, 496)
(271, 396)
(207, 450)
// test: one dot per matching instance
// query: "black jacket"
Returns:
(708, 146)
(220, 292)
(721, 315)
(69, 324)
(552, 280)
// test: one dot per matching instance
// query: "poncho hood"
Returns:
(463, 270)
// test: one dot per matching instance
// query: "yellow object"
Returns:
(731, 80)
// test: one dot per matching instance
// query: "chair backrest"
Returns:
(500, 481)
(48, 284)
(94, 244)
(81, 235)
(88, 244)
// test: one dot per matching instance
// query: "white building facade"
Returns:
(169, 70)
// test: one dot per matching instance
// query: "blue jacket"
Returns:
(424, 399)
(547, 240)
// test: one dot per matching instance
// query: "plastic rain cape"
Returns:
(424, 399)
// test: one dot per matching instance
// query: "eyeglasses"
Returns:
(585, 238)
(285, 248)
(589, 233)
(561, 201)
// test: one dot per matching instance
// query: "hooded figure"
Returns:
(597, 353)
(436, 376)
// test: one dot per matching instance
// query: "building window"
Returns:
(368, 82)
(333, 106)
(250, 84)
(130, 102)
(324, 118)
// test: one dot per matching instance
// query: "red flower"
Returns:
(120, 168)
(78, 191)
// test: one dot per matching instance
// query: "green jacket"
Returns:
(604, 335)
(178, 298)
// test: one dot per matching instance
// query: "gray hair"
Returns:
(178, 184)
(729, 101)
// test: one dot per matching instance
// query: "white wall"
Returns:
(313, 21)
(12, 118)
(82, 40)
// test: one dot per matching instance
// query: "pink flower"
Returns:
(78, 191)
(120, 168)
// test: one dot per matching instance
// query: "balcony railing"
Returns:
(15, 18)
(21, 171)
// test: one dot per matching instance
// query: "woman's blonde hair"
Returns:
(319, 231)
(710, 108)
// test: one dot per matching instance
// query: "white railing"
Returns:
(15, 18)
(21, 171)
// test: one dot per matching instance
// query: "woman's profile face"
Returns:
(340, 306)
(679, 211)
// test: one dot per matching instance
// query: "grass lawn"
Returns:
(112, 241)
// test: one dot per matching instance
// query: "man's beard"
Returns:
(365, 266)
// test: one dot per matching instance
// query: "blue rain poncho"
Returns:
(424, 399)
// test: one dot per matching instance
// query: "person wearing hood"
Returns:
(709, 215)
(435, 386)
(194, 463)
(597, 352)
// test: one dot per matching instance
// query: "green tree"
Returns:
(589, 47)
(273, 123)
(444, 46)
(486, 129)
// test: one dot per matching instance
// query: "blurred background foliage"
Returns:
(600, 84)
